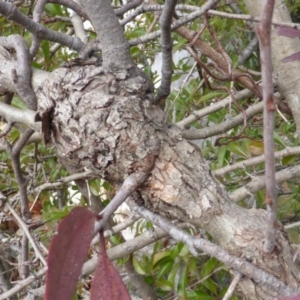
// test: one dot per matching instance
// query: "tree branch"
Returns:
(15, 115)
(222, 14)
(238, 264)
(25, 229)
(115, 48)
(232, 286)
(256, 160)
(64, 180)
(259, 183)
(128, 6)
(11, 12)
(37, 12)
(224, 126)
(198, 114)
(183, 20)
(23, 284)
(72, 5)
(130, 184)
(264, 36)
(166, 43)
(21, 77)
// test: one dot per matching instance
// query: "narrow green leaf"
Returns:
(221, 156)
(164, 268)
(138, 266)
(182, 284)
(160, 256)
(164, 284)
(210, 285)
(173, 272)
(209, 96)
(278, 139)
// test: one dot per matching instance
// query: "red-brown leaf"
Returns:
(68, 252)
(287, 31)
(107, 283)
(291, 58)
(291, 298)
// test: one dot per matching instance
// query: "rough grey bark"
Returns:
(115, 48)
(102, 122)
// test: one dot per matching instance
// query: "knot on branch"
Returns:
(102, 121)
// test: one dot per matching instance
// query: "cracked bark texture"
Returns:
(102, 121)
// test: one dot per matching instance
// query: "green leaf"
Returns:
(149, 280)
(156, 247)
(278, 139)
(149, 225)
(115, 240)
(54, 174)
(260, 198)
(256, 147)
(164, 284)
(138, 266)
(221, 156)
(199, 295)
(55, 214)
(46, 51)
(238, 149)
(160, 256)
(164, 268)
(210, 285)
(182, 284)
(193, 266)
(184, 251)
(177, 46)
(173, 272)
(289, 159)
(106, 186)
(146, 263)
(94, 187)
(209, 96)
(209, 266)
(53, 9)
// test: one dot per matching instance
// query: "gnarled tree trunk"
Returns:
(103, 122)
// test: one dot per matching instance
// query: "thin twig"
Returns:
(23, 284)
(37, 12)
(183, 20)
(222, 14)
(61, 181)
(264, 36)
(24, 227)
(247, 52)
(128, 6)
(130, 184)
(256, 160)
(166, 43)
(11, 12)
(198, 114)
(224, 126)
(260, 182)
(72, 5)
(232, 286)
